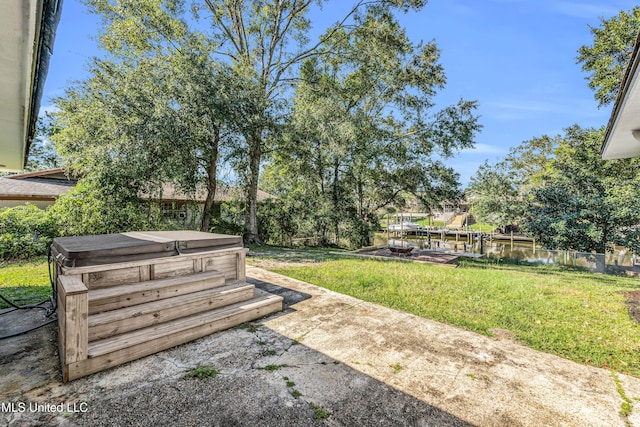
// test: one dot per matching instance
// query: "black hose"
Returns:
(28, 330)
(54, 293)
(49, 311)
(22, 307)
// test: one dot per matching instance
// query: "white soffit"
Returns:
(619, 141)
(18, 44)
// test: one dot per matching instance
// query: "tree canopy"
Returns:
(181, 90)
(584, 202)
(606, 59)
(363, 132)
(569, 199)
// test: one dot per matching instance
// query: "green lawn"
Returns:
(424, 222)
(579, 316)
(24, 282)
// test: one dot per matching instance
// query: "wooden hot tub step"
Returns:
(120, 296)
(119, 349)
(126, 319)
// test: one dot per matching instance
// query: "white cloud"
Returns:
(514, 109)
(584, 10)
(481, 148)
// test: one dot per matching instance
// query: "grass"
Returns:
(201, 373)
(319, 413)
(24, 282)
(625, 406)
(424, 222)
(575, 315)
(272, 368)
(396, 367)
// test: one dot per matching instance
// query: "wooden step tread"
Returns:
(109, 323)
(177, 326)
(115, 297)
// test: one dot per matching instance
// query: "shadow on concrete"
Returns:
(266, 379)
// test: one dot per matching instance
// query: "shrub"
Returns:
(25, 231)
(95, 208)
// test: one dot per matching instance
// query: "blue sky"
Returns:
(515, 57)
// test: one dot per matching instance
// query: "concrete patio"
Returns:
(346, 362)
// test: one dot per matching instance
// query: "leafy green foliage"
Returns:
(362, 136)
(156, 110)
(560, 191)
(99, 207)
(201, 373)
(495, 195)
(25, 231)
(42, 153)
(607, 58)
(585, 203)
(319, 413)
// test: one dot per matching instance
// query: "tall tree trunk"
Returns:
(251, 232)
(212, 181)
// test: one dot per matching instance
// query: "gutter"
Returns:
(49, 19)
(622, 93)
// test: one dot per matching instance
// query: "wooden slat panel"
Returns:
(71, 285)
(179, 325)
(173, 268)
(128, 319)
(61, 326)
(104, 357)
(76, 327)
(224, 264)
(197, 265)
(101, 279)
(145, 272)
(107, 267)
(152, 290)
(240, 266)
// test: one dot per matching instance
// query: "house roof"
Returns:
(27, 33)
(57, 173)
(223, 193)
(622, 137)
(33, 188)
(51, 184)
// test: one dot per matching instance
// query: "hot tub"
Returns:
(80, 251)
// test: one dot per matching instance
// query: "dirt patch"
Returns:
(633, 304)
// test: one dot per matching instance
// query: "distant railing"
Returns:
(610, 263)
(518, 250)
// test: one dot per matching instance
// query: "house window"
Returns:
(174, 211)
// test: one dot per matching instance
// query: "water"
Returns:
(621, 261)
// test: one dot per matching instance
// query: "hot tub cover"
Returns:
(78, 251)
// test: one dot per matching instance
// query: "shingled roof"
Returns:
(50, 184)
(33, 188)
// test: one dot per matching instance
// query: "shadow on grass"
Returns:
(25, 295)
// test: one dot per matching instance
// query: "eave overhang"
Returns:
(27, 33)
(622, 137)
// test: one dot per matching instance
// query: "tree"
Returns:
(155, 110)
(496, 195)
(526, 163)
(585, 203)
(607, 58)
(266, 41)
(363, 133)
(42, 153)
